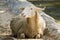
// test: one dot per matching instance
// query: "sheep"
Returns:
(28, 24)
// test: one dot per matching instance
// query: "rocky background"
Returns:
(7, 12)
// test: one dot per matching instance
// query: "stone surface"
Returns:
(5, 17)
(51, 33)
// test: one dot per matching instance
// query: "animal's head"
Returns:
(30, 12)
(31, 15)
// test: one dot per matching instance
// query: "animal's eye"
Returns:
(31, 8)
(21, 8)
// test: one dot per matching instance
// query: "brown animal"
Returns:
(28, 24)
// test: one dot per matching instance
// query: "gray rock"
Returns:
(53, 29)
(5, 17)
(3, 2)
(52, 26)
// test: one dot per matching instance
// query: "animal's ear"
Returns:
(21, 8)
(40, 9)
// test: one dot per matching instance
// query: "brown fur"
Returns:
(31, 26)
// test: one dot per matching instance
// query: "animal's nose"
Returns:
(23, 15)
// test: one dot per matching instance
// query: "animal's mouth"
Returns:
(26, 15)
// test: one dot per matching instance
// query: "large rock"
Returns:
(52, 26)
(3, 2)
(5, 17)
(53, 29)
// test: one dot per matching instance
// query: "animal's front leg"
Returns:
(21, 36)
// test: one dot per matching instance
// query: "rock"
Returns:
(52, 27)
(5, 17)
(2, 2)
(12, 38)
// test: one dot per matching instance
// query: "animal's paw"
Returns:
(21, 36)
(38, 36)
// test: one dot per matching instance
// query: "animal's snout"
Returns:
(23, 15)
(26, 15)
